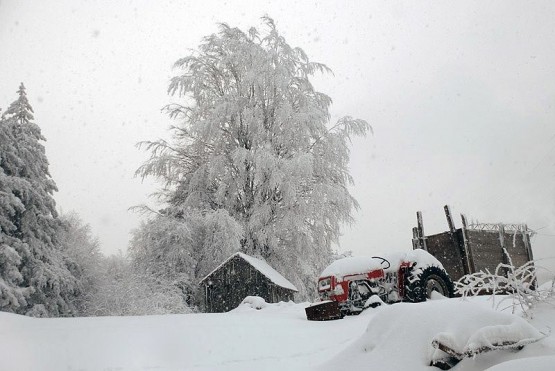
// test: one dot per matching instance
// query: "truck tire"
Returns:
(429, 280)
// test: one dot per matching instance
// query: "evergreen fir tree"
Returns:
(12, 295)
(30, 223)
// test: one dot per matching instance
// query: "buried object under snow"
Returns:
(404, 333)
(352, 282)
(323, 311)
(507, 336)
(448, 357)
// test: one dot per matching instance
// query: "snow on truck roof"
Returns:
(363, 264)
(261, 266)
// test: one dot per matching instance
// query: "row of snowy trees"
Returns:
(253, 166)
(50, 264)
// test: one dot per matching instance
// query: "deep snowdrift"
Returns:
(400, 336)
(275, 337)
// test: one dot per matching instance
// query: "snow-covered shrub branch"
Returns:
(126, 292)
(517, 287)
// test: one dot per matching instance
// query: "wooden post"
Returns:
(504, 251)
(468, 261)
(501, 235)
(526, 240)
(415, 238)
(452, 228)
(502, 243)
(422, 237)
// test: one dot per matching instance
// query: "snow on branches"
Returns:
(517, 286)
(35, 278)
(253, 138)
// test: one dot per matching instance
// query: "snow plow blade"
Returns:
(324, 311)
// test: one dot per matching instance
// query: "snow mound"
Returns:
(437, 296)
(400, 336)
(492, 337)
(253, 302)
(532, 363)
(256, 303)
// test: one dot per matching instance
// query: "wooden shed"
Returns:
(475, 247)
(240, 276)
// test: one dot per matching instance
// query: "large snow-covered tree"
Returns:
(12, 295)
(35, 279)
(252, 138)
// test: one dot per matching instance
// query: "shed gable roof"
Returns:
(261, 266)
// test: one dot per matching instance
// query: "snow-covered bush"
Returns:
(182, 249)
(85, 259)
(517, 285)
(162, 247)
(125, 292)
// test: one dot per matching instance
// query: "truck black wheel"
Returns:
(420, 288)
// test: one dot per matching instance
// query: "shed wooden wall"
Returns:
(226, 288)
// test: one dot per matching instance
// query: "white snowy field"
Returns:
(276, 337)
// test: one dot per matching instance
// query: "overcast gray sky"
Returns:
(460, 95)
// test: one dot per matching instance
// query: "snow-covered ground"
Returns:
(276, 337)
